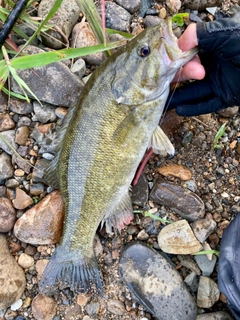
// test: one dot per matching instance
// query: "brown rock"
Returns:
(12, 277)
(40, 267)
(43, 223)
(6, 123)
(82, 36)
(184, 202)
(7, 215)
(178, 238)
(22, 200)
(43, 307)
(22, 134)
(176, 170)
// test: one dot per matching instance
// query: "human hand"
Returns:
(219, 54)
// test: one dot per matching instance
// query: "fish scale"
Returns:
(108, 133)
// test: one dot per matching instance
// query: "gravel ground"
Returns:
(215, 179)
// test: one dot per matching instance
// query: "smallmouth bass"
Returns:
(109, 131)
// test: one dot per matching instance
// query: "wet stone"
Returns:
(206, 265)
(208, 293)
(36, 189)
(178, 238)
(63, 93)
(155, 284)
(6, 168)
(219, 315)
(12, 278)
(202, 228)
(6, 123)
(130, 5)
(42, 224)
(7, 215)
(184, 202)
(20, 107)
(43, 307)
(9, 136)
(22, 134)
(116, 307)
(116, 17)
(22, 200)
(140, 192)
(44, 113)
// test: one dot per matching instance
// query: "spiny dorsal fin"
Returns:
(160, 143)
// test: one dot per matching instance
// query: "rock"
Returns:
(176, 170)
(36, 189)
(174, 5)
(192, 281)
(206, 265)
(65, 18)
(178, 238)
(83, 36)
(184, 202)
(155, 284)
(202, 228)
(116, 17)
(151, 21)
(42, 224)
(23, 164)
(201, 5)
(12, 277)
(6, 122)
(63, 93)
(208, 293)
(6, 168)
(130, 5)
(228, 112)
(140, 192)
(43, 307)
(44, 113)
(144, 7)
(20, 106)
(219, 315)
(188, 262)
(142, 235)
(16, 305)
(39, 170)
(83, 299)
(24, 121)
(92, 308)
(79, 66)
(9, 136)
(7, 215)
(22, 134)
(25, 261)
(40, 267)
(116, 307)
(22, 200)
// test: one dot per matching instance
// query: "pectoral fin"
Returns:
(160, 143)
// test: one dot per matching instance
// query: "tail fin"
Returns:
(68, 269)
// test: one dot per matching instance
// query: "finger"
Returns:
(188, 39)
(192, 70)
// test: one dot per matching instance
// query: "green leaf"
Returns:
(179, 18)
(219, 134)
(216, 252)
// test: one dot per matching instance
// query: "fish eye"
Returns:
(144, 50)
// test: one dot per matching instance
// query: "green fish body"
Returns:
(109, 131)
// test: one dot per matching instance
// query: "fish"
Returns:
(114, 122)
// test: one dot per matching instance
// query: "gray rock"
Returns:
(65, 18)
(56, 92)
(12, 277)
(44, 113)
(192, 281)
(229, 112)
(151, 21)
(219, 315)
(6, 168)
(92, 308)
(79, 68)
(130, 5)
(178, 238)
(116, 17)
(155, 284)
(36, 189)
(202, 228)
(184, 202)
(9, 136)
(39, 170)
(20, 107)
(116, 307)
(188, 262)
(145, 5)
(206, 265)
(201, 5)
(140, 192)
(208, 293)
(7, 215)
(23, 164)
(24, 121)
